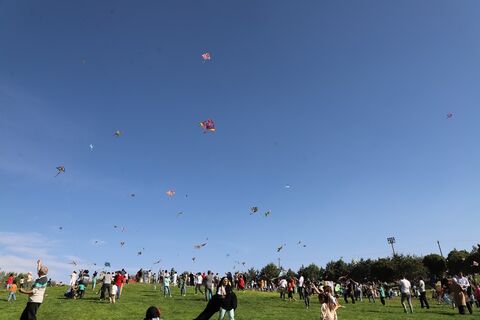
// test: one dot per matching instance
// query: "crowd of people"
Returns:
(457, 291)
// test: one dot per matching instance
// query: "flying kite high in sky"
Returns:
(267, 213)
(157, 262)
(200, 246)
(122, 243)
(253, 210)
(208, 125)
(194, 258)
(60, 169)
(449, 115)
(280, 248)
(91, 147)
(107, 264)
(170, 193)
(118, 133)
(206, 56)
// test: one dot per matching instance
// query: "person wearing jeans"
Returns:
(406, 295)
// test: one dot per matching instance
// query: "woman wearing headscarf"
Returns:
(223, 302)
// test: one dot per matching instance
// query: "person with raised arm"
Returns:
(36, 293)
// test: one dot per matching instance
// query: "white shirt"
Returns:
(421, 285)
(404, 286)
(300, 281)
(283, 283)
(199, 279)
(73, 278)
(114, 290)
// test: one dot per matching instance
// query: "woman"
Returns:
(224, 301)
(329, 304)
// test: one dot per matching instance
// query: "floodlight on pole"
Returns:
(391, 241)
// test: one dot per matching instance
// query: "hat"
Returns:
(152, 313)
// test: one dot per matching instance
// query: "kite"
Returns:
(200, 246)
(299, 242)
(179, 213)
(60, 169)
(118, 133)
(253, 210)
(132, 195)
(73, 262)
(280, 248)
(267, 213)
(122, 243)
(139, 253)
(288, 186)
(193, 259)
(208, 125)
(91, 147)
(170, 193)
(96, 241)
(107, 264)
(449, 115)
(206, 56)
(157, 262)
(60, 228)
(243, 263)
(228, 255)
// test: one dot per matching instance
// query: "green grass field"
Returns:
(251, 305)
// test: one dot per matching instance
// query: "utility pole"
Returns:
(279, 267)
(440, 248)
(391, 241)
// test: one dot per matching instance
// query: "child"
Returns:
(113, 293)
(13, 290)
(81, 290)
(382, 294)
(307, 291)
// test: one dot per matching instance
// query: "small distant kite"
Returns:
(179, 213)
(267, 213)
(60, 228)
(280, 248)
(194, 258)
(157, 262)
(95, 242)
(107, 264)
(208, 126)
(139, 253)
(287, 186)
(206, 56)
(243, 263)
(253, 210)
(299, 242)
(60, 169)
(118, 133)
(73, 262)
(91, 147)
(170, 193)
(228, 255)
(122, 243)
(200, 246)
(449, 115)
(132, 195)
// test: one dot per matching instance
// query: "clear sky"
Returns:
(344, 101)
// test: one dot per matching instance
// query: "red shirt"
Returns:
(10, 280)
(119, 279)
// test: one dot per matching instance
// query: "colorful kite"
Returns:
(170, 193)
(267, 213)
(253, 210)
(208, 126)
(60, 169)
(118, 133)
(206, 56)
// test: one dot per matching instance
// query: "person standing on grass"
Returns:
(301, 281)
(12, 292)
(35, 295)
(307, 292)
(94, 280)
(423, 294)
(291, 289)
(208, 286)
(166, 286)
(406, 295)
(119, 278)
(382, 294)
(198, 283)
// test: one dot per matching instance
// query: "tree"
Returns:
(361, 270)
(408, 266)
(435, 264)
(336, 269)
(251, 274)
(311, 272)
(270, 271)
(382, 270)
(456, 261)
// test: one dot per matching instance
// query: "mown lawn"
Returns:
(251, 305)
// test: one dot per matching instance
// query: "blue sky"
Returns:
(344, 101)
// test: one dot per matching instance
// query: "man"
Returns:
(406, 294)
(198, 283)
(301, 280)
(423, 294)
(35, 295)
(118, 279)
(106, 286)
(209, 286)
(282, 287)
(460, 285)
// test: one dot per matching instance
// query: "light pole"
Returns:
(391, 241)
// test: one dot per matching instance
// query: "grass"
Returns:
(251, 305)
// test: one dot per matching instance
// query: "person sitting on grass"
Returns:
(35, 295)
(153, 313)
